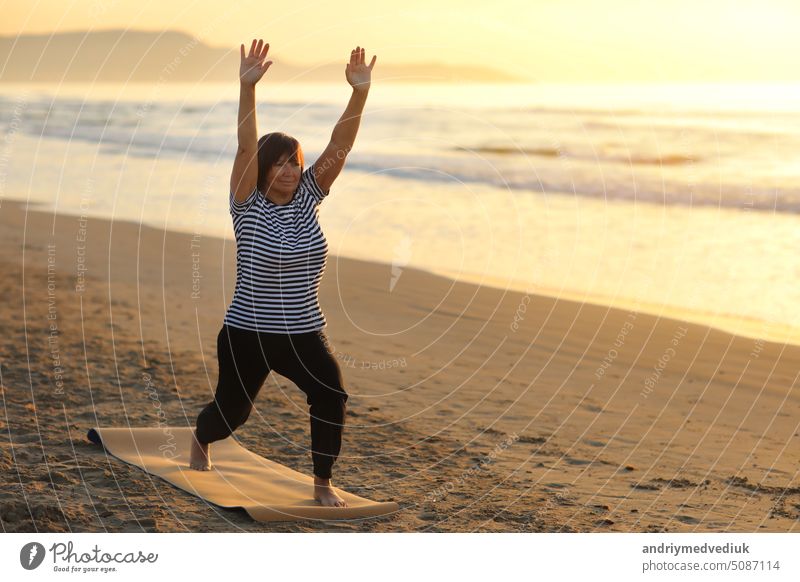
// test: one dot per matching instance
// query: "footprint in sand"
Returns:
(572, 461)
(60, 478)
(594, 443)
(687, 519)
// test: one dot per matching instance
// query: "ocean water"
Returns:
(679, 200)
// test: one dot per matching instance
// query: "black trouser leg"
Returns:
(243, 367)
(309, 364)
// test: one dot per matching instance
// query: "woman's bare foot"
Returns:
(200, 458)
(324, 493)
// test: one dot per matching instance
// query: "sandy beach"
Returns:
(475, 408)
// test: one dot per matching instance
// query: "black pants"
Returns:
(245, 359)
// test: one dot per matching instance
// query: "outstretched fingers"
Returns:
(258, 50)
(357, 56)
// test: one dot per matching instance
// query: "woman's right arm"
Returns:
(245, 166)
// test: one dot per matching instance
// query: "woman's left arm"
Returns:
(331, 162)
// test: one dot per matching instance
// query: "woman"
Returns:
(274, 321)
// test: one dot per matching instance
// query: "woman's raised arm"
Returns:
(245, 166)
(331, 162)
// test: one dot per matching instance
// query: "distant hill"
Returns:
(171, 56)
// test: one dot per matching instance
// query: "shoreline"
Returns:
(739, 325)
(582, 418)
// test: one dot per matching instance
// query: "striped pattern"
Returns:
(281, 255)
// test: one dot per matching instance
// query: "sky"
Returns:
(544, 40)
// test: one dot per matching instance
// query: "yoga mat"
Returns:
(267, 490)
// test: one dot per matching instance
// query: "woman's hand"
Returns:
(253, 67)
(358, 74)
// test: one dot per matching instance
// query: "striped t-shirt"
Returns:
(281, 255)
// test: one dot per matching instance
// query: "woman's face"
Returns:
(284, 176)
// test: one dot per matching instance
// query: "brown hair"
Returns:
(270, 149)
